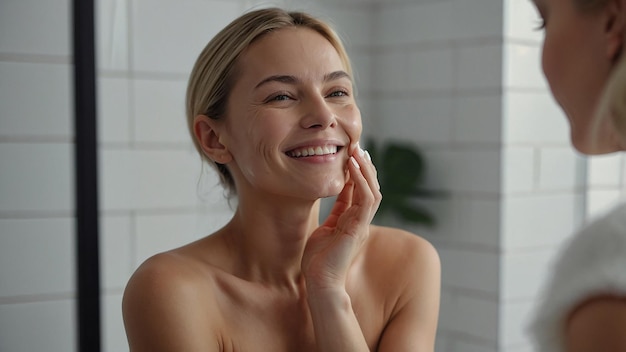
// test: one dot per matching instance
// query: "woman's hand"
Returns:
(335, 244)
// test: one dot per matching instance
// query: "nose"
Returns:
(318, 114)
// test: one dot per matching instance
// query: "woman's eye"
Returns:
(338, 93)
(279, 97)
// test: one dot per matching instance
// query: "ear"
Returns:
(615, 28)
(207, 133)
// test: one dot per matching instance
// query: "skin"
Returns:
(580, 50)
(274, 279)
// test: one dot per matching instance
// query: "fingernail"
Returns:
(361, 151)
(367, 155)
(354, 162)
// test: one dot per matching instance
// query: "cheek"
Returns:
(549, 62)
(353, 124)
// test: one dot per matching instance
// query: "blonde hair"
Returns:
(610, 117)
(215, 70)
(608, 128)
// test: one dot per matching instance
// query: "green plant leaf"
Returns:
(402, 168)
(414, 214)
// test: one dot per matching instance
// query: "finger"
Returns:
(343, 202)
(369, 172)
(365, 162)
(363, 194)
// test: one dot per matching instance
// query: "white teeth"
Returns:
(310, 151)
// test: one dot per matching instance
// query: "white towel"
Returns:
(592, 262)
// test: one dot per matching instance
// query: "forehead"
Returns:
(290, 49)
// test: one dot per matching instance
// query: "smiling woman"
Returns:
(270, 104)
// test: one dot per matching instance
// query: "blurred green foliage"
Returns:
(401, 173)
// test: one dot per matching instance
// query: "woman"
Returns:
(270, 104)
(584, 301)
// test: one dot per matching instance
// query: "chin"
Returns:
(590, 144)
(332, 188)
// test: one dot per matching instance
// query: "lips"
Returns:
(313, 151)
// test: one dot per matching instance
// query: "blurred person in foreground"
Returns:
(582, 307)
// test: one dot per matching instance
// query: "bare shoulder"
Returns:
(402, 262)
(400, 247)
(164, 276)
(408, 272)
(167, 306)
(597, 325)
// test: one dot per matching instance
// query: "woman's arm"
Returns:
(598, 324)
(329, 253)
(413, 324)
(162, 311)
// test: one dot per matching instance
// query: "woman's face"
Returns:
(576, 62)
(291, 117)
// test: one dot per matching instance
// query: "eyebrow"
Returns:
(333, 76)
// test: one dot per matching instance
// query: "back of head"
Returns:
(215, 71)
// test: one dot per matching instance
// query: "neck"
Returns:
(267, 239)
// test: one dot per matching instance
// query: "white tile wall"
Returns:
(35, 100)
(113, 334)
(394, 78)
(159, 111)
(427, 120)
(441, 343)
(477, 318)
(114, 115)
(605, 170)
(533, 117)
(472, 346)
(361, 69)
(467, 222)
(414, 23)
(112, 34)
(477, 119)
(37, 251)
(521, 20)
(522, 67)
(161, 232)
(522, 273)
(38, 326)
(514, 320)
(352, 23)
(36, 177)
(476, 19)
(36, 257)
(601, 200)
(561, 168)
(431, 69)
(624, 174)
(35, 27)
(470, 270)
(518, 169)
(479, 67)
(116, 251)
(149, 179)
(538, 220)
(168, 35)
(467, 170)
